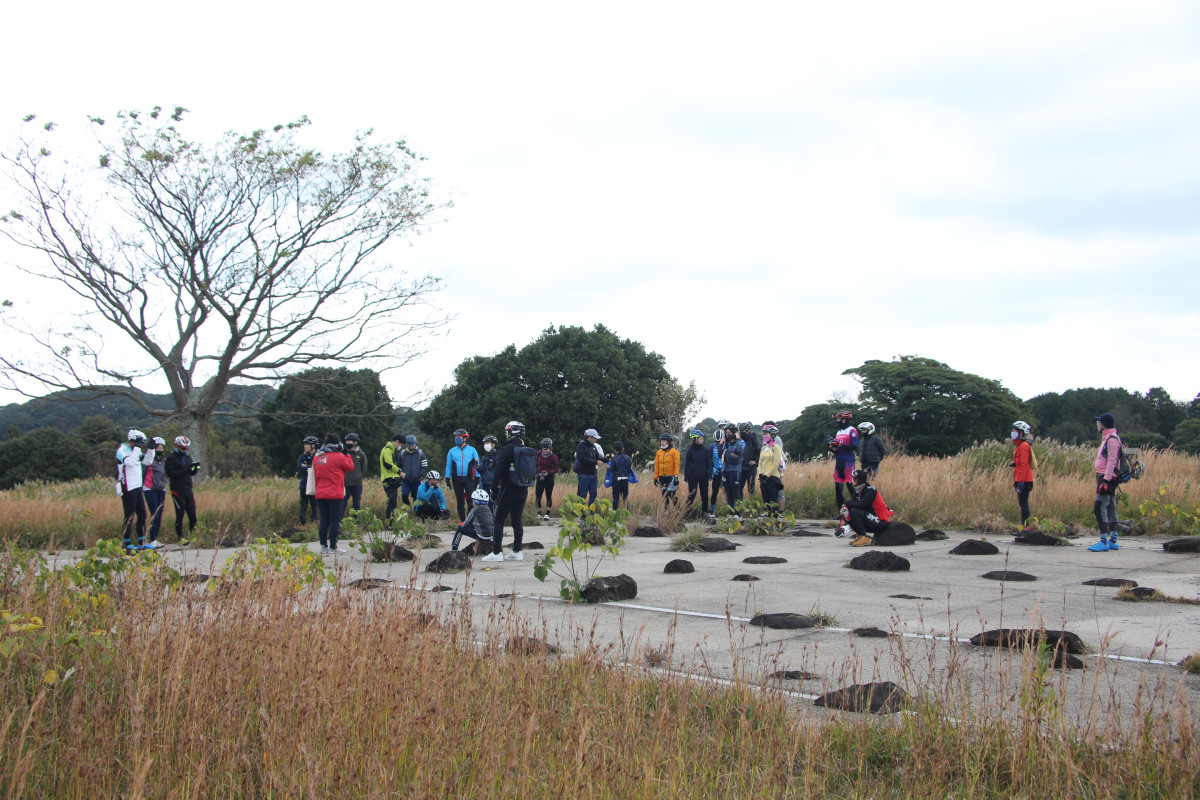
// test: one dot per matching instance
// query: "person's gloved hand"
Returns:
(1012, 463)
(195, 468)
(1104, 488)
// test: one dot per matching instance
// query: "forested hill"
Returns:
(63, 411)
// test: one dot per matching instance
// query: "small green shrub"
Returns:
(581, 528)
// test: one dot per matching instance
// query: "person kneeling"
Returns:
(866, 513)
(431, 501)
(479, 522)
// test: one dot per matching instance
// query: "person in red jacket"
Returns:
(1022, 465)
(330, 466)
(865, 513)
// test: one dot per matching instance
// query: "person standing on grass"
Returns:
(587, 455)
(733, 452)
(131, 487)
(666, 469)
(516, 471)
(750, 460)
(717, 447)
(431, 501)
(154, 487)
(871, 449)
(619, 475)
(331, 465)
(1023, 464)
(354, 478)
(1108, 458)
(769, 462)
(308, 502)
(698, 470)
(462, 464)
(389, 473)
(414, 466)
(844, 447)
(181, 471)
(547, 466)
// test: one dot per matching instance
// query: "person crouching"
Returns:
(431, 501)
(479, 522)
(866, 513)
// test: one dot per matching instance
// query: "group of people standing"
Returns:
(145, 473)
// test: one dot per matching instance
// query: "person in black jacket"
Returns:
(308, 503)
(868, 514)
(697, 470)
(586, 458)
(180, 469)
(511, 501)
(750, 459)
(870, 448)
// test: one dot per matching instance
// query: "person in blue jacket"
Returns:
(431, 502)
(733, 453)
(716, 447)
(462, 471)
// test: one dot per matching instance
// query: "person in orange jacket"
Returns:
(666, 469)
(1022, 465)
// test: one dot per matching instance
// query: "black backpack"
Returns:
(523, 471)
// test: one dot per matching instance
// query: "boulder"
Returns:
(1021, 638)
(1142, 592)
(880, 561)
(390, 551)
(783, 622)
(440, 588)
(1008, 575)
(450, 561)
(896, 534)
(745, 577)
(679, 566)
(368, 583)
(803, 532)
(1190, 544)
(607, 590)
(715, 544)
(1064, 660)
(648, 531)
(870, 633)
(1125, 527)
(1040, 539)
(974, 547)
(908, 597)
(932, 535)
(794, 675)
(533, 546)
(764, 560)
(874, 698)
(1120, 583)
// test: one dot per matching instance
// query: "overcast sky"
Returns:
(765, 194)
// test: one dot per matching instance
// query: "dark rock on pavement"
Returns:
(880, 561)
(715, 544)
(679, 566)
(745, 577)
(1008, 575)
(1021, 638)
(932, 535)
(529, 646)
(368, 583)
(390, 551)
(908, 597)
(1041, 539)
(896, 534)
(874, 698)
(794, 675)
(974, 547)
(1142, 592)
(450, 561)
(764, 560)
(803, 532)
(648, 531)
(784, 621)
(1190, 544)
(607, 590)
(870, 633)
(1123, 583)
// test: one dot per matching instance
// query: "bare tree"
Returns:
(240, 260)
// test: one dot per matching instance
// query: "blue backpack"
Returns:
(523, 471)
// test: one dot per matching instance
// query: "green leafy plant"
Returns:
(373, 536)
(1170, 516)
(571, 559)
(264, 559)
(752, 516)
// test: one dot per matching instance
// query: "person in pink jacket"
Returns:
(1108, 457)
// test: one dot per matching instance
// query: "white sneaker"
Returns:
(325, 550)
(338, 550)
(492, 557)
(515, 556)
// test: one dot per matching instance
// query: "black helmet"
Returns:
(490, 438)
(745, 427)
(311, 440)
(514, 429)
(860, 476)
(667, 437)
(350, 437)
(547, 443)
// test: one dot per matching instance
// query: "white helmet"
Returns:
(1023, 427)
(136, 436)
(866, 427)
(183, 442)
(480, 496)
(514, 429)
(159, 440)
(433, 475)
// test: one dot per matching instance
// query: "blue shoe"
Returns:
(1099, 547)
(1112, 544)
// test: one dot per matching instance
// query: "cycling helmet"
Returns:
(745, 427)
(410, 440)
(433, 475)
(843, 416)
(860, 476)
(696, 435)
(480, 496)
(136, 436)
(159, 440)
(547, 443)
(514, 429)
(463, 433)
(350, 437)
(182, 442)
(1023, 427)
(771, 429)
(866, 427)
(307, 440)
(667, 437)
(490, 438)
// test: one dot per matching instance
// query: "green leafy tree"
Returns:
(565, 381)
(240, 260)
(46, 454)
(933, 409)
(1186, 435)
(807, 436)
(327, 400)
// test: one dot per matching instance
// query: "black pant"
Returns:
(733, 487)
(871, 467)
(511, 502)
(353, 494)
(841, 497)
(185, 503)
(701, 486)
(771, 487)
(749, 476)
(133, 503)
(862, 524)
(462, 488)
(1023, 489)
(544, 486)
(308, 504)
(716, 487)
(620, 489)
(391, 488)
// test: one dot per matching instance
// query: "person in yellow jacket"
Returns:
(666, 469)
(770, 464)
